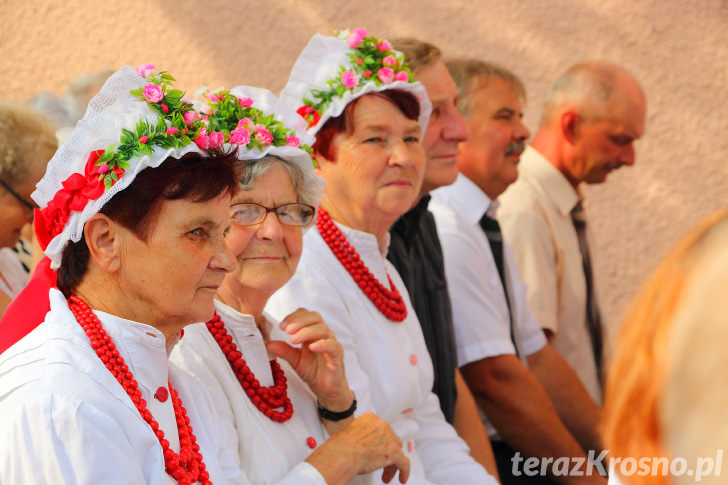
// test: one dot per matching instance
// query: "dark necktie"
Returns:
(594, 320)
(495, 238)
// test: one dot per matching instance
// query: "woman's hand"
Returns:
(366, 445)
(318, 360)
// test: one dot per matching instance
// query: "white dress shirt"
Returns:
(387, 363)
(64, 418)
(480, 311)
(535, 216)
(268, 451)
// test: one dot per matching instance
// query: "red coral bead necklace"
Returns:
(268, 399)
(186, 466)
(389, 302)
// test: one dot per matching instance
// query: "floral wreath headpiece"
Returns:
(331, 72)
(137, 120)
(257, 123)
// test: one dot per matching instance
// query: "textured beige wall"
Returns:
(678, 49)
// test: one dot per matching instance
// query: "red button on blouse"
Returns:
(162, 394)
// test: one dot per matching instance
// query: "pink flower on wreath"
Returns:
(240, 136)
(263, 135)
(171, 131)
(202, 140)
(165, 108)
(355, 38)
(401, 76)
(245, 102)
(216, 139)
(190, 117)
(213, 98)
(143, 139)
(359, 60)
(383, 45)
(293, 141)
(367, 73)
(389, 61)
(385, 75)
(102, 169)
(153, 93)
(144, 69)
(246, 123)
(349, 79)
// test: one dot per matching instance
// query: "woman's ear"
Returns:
(320, 163)
(103, 241)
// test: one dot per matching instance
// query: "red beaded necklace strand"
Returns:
(389, 302)
(266, 399)
(186, 466)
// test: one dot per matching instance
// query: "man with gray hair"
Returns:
(593, 115)
(533, 405)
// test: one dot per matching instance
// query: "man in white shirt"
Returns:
(534, 403)
(593, 114)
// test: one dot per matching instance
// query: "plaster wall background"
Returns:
(677, 49)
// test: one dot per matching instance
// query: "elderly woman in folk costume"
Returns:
(269, 406)
(368, 114)
(133, 217)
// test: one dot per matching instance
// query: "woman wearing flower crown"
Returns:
(133, 217)
(360, 101)
(269, 407)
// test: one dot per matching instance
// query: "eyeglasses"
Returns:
(28, 205)
(290, 214)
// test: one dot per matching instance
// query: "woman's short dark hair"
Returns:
(194, 177)
(405, 101)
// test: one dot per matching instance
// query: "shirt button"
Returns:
(409, 446)
(413, 359)
(311, 442)
(162, 394)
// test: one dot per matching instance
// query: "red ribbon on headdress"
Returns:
(77, 191)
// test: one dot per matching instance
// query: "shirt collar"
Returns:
(554, 183)
(467, 199)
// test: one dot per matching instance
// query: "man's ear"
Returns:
(571, 123)
(103, 239)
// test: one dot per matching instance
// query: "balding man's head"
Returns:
(593, 114)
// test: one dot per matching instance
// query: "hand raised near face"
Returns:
(316, 356)
(366, 445)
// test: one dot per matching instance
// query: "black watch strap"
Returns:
(336, 415)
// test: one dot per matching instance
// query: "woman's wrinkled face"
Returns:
(378, 170)
(267, 252)
(172, 278)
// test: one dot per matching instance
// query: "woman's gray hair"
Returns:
(307, 185)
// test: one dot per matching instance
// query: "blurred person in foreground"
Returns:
(289, 419)
(368, 114)
(532, 402)
(665, 396)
